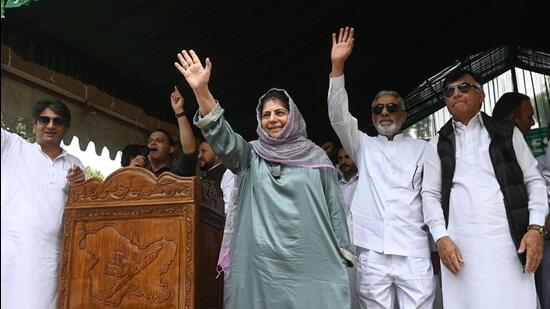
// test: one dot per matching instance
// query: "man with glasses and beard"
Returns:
(388, 227)
(35, 185)
(485, 203)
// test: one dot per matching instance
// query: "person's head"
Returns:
(274, 110)
(207, 157)
(162, 146)
(331, 149)
(346, 164)
(515, 107)
(51, 119)
(463, 95)
(388, 113)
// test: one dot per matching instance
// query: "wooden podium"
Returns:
(140, 241)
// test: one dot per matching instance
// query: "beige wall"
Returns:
(97, 116)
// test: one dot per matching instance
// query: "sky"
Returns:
(89, 157)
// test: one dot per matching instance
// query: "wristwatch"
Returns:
(178, 115)
(539, 228)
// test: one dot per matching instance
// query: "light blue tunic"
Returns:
(290, 245)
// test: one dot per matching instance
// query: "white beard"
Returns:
(388, 130)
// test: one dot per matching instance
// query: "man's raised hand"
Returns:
(342, 46)
(176, 99)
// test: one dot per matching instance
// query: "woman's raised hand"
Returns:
(191, 68)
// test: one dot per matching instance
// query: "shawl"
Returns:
(292, 148)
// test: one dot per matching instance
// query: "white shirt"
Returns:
(541, 160)
(348, 190)
(491, 275)
(474, 166)
(34, 194)
(228, 188)
(386, 208)
(546, 171)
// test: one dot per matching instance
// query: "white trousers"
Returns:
(354, 300)
(382, 277)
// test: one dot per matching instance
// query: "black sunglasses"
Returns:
(462, 87)
(45, 120)
(391, 107)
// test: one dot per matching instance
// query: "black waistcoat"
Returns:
(216, 174)
(507, 171)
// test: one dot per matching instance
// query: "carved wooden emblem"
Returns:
(132, 184)
(129, 242)
(118, 266)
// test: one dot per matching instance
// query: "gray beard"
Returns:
(388, 130)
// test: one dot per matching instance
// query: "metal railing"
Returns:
(535, 85)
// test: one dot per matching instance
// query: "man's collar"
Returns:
(399, 136)
(477, 117)
(62, 154)
(353, 178)
(213, 167)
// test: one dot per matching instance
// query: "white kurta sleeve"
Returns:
(546, 171)
(536, 188)
(431, 191)
(343, 123)
(8, 139)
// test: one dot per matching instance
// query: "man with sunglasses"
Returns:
(388, 227)
(485, 203)
(35, 182)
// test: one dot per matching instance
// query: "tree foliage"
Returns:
(20, 129)
(91, 172)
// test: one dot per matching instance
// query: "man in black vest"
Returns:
(210, 164)
(485, 203)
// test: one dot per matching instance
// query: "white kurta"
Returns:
(386, 212)
(491, 275)
(34, 193)
(387, 206)
(546, 170)
(228, 188)
(348, 190)
(229, 198)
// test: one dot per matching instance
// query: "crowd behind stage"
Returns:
(366, 222)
